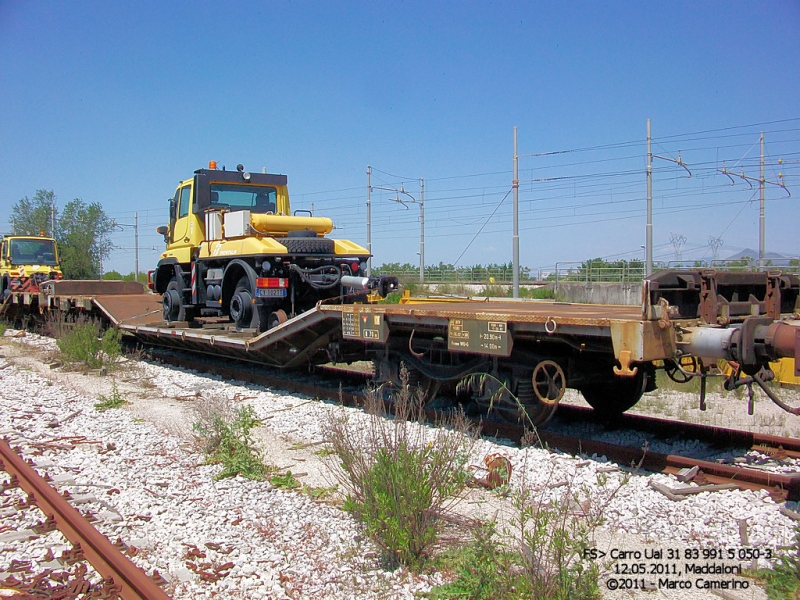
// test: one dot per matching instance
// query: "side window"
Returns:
(173, 206)
(183, 208)
(3, 251)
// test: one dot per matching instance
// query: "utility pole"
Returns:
(715, 243)
(413, 200)
(136, 235)
(761, 227)
(136, 243)
(762, 184)
(648, 267)
(648, 242)
(515, 238)
(421, 230)
(369, 221)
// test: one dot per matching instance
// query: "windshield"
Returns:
(32, 252)
(255, 198)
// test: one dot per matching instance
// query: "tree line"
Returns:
(82, 231)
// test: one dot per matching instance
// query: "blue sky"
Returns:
(115, 102)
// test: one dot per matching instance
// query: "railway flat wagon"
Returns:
(513, 359)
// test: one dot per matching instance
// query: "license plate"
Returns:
(271, 293)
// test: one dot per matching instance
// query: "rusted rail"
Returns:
(783, 486)
(665, 428)
(128, 580)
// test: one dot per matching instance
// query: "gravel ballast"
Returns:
(139, 471)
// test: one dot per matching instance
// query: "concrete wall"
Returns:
(571, 291)
(600, 293)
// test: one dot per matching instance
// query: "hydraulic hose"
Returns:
(306, 274)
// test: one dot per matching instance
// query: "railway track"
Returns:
(654, 511)
(345, 386)
(120, 578)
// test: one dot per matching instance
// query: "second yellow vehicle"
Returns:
(26, 261)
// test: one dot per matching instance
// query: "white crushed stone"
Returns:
(150, 488)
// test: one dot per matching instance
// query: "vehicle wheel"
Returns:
(173, 303)
(243, 311)
(613, 397)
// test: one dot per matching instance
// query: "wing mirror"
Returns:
(164, 230)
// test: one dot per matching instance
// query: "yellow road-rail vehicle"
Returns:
(234, 248)
(26, 261)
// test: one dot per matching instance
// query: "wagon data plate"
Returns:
(363, 325)
(270, 292)
(481, 337)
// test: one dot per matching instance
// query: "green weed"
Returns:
(285, 481)
(538, 555)
(226, 439)
(479, 569)
(539, 293)
(319, 493)
(115, 400)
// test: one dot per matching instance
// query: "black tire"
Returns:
(613, 397)
(172, 303)
(308, 245)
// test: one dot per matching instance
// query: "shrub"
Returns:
(544, 292)
(82, 345)
(782, 582)
(400, 477)
(551, 544)
(225, 438)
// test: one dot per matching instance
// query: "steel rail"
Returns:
(107, 560)
(658, 462)
(746, 478)
(665, 428)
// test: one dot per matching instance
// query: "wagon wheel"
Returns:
(614, 396)
(686, 363)
(531, 410)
